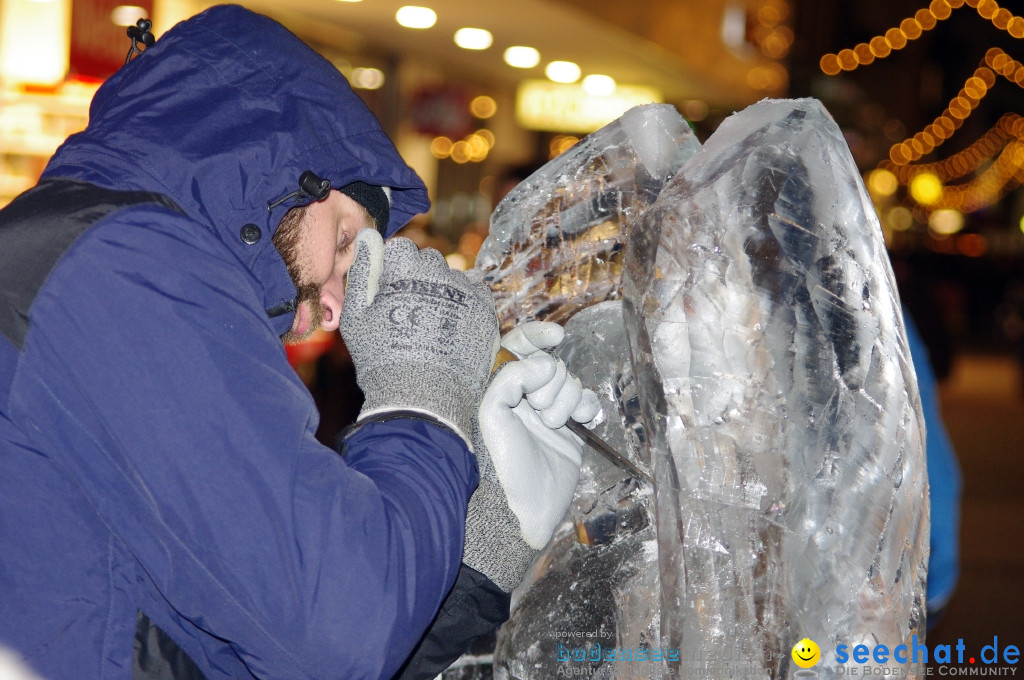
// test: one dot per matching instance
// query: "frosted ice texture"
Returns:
(780, 403)
(595, 350)
(555, 253)
(556, 240)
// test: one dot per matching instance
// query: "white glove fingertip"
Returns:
(369, 258)
(545, 396)
(552, 420)
(588, 409)
(539, 370)
(517, 378)
(515, 342)
(563, 404)
(543, 334)
(528, 337)
(375, 242)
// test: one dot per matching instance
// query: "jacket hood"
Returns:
(223, 115)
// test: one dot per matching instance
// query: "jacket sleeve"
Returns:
(152, 374)
(474, 609)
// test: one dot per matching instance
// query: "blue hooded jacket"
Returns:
(157, 451)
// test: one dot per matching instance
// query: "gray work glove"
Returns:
(422, 337)
(529, 461)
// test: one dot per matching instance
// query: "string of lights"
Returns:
(912, 28)
(960, 107)
(1004, 175)
(996, 159)
(1009, 126)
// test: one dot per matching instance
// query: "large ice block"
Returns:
(556, 240)
(555, 253)
(780, 403)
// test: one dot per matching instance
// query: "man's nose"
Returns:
(332, 297)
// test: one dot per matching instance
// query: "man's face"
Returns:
(316, 243)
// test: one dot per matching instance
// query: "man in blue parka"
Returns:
(157, 454)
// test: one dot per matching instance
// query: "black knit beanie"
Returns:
(375, 199)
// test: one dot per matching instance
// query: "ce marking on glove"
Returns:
(398, 317)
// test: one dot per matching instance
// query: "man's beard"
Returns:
(287, 240)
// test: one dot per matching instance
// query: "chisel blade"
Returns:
(602, 447)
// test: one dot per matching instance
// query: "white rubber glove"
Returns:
(529, 461)
(536, 459)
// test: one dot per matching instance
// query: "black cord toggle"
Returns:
(310, 186)
(139, 33)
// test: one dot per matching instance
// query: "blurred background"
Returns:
(477, 94)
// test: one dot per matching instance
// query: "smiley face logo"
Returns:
(806, 653)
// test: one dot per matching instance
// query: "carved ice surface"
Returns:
(780, 403)
(595, 350)
(554, 249)
(555, 242)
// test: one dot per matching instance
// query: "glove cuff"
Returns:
(421, 388)
(494, 542)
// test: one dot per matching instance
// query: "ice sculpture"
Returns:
(762, 368)
(780, 403)
(556, 240)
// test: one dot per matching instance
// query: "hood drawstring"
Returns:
(140, 33)
(310, 186)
